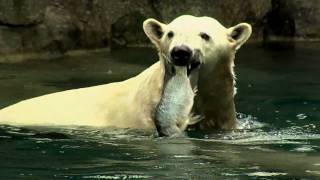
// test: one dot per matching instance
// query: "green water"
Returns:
(278, 102)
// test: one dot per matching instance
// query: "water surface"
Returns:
(278, 104)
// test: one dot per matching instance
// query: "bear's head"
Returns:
(192, 41)
(205, 45)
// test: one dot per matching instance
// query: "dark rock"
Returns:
(307, 18)
(62, 31)
(22, 12)
(228, 12)
(290, 20)
(127, 30)
(10, 40)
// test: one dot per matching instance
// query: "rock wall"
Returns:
(56, 26)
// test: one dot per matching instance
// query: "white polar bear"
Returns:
(200, 44)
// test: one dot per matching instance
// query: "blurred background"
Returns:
(56, 26)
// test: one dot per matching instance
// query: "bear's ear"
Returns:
(154, 30)
(239, 34)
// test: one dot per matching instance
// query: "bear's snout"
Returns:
(181, 55)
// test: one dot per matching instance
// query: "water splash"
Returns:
(248, 122)
(301, 116)
(250, 132)
(253, 132)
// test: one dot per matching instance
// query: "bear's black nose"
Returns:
(181, 55)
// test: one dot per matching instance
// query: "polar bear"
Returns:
(215, 47)
(193, 52)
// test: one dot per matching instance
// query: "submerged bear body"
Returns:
(201, 45)
(104, 105)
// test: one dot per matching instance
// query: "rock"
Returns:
(291, 20)
(10, 40)
(22, 12)
(306, 16)
(57, 26)
(127, 30)
(228, 12)
(62, 31)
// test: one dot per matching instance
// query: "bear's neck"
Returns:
(216, 94)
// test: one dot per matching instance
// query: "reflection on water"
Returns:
(278, 97)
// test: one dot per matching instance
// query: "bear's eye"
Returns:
(205, 36)
(170, 34)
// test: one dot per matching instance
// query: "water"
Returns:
(278, 102)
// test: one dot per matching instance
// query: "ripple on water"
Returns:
(253, 132)
(305, 148)
(264, 137)
(301, 116)
(118, 176)
(267, 174)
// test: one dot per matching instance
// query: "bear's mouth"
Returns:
(194, 64)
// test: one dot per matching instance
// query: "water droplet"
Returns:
(301, 116)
